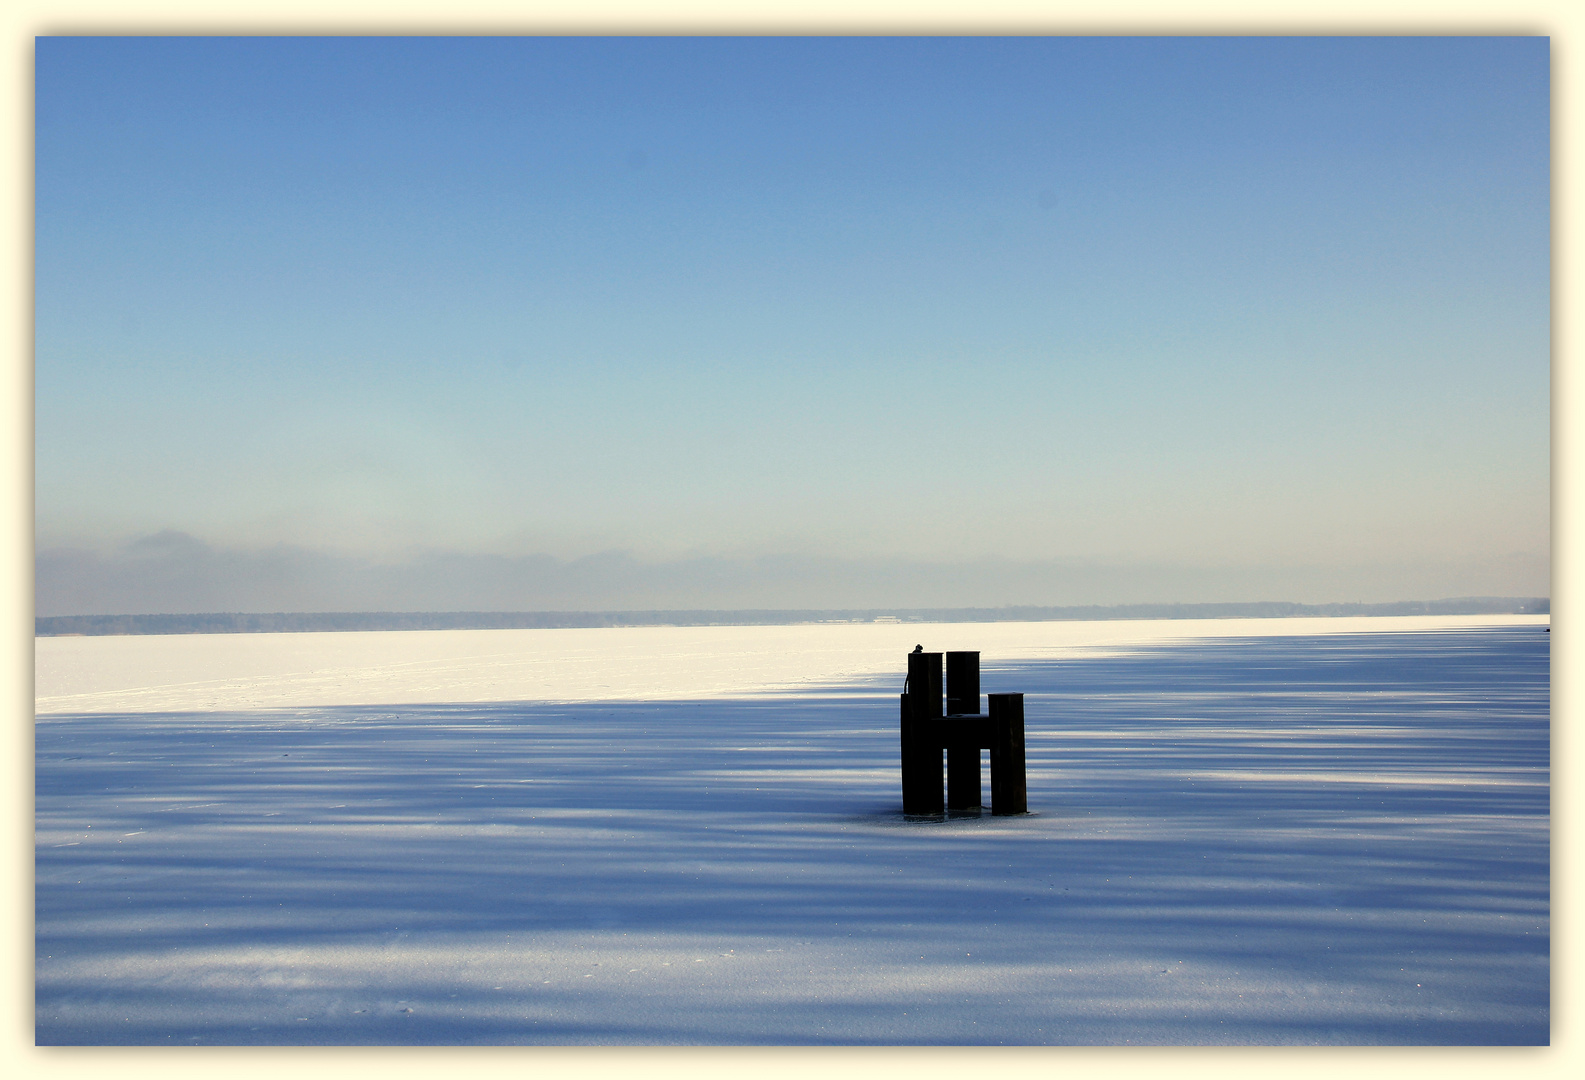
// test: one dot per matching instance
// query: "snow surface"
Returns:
(1244, 831)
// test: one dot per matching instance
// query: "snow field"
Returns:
(1255, 837)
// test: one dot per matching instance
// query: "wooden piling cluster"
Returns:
(962, 731)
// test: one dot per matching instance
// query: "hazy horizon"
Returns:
(495, 324)
(178, 574)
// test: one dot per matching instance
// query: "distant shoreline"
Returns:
(319, 622)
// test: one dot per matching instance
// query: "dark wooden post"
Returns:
(963, 755)
(1009, 788)
(963, 682)
(921, 735)
(910, 797)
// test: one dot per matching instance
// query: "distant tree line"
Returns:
(312, 621)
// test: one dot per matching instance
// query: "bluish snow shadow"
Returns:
(1334, 839)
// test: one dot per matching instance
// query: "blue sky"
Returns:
(1273, 312)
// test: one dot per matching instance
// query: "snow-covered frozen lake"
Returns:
(1242, 831)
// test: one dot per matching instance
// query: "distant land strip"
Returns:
(316, 621)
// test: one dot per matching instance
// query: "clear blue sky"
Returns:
(1200, 303)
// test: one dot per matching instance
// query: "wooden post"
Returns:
(921, 735)
(907, 756)
(963, 682)
(963, 758)
(1009, 788)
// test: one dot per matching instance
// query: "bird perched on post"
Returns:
(919, 648)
